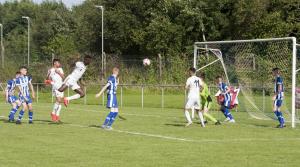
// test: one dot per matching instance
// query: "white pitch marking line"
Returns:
(188, 140)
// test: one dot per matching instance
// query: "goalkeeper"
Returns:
(206, 101)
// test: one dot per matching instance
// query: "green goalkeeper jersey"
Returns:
(204, 93)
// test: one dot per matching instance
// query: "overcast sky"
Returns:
(69, 3)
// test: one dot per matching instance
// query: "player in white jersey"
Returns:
(55, 78)
(72, 80)
(193, 84)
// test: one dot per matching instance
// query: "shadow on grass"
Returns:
(94, 126)
(175, 124)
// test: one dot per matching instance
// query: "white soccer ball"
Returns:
(146, 62)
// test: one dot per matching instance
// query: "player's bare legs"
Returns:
(63, 88)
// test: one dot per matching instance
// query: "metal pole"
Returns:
(121, 97)
(162, 97)
(28, 39)
(294, 68)
(2, 47)
(142, 97)
(103, 100)
(85, 96)
(37, 93)
(102, 40)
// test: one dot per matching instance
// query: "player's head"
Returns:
(18, 74)
(23, 70)
(87, 59)
(219, 79)
(276, 71)
(56, 63)
(115, 71)
(192, 71)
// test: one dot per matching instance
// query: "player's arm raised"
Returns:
(102, 90)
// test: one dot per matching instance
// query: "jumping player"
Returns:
(11, 98)
(278, 97)
(24, 84)
(55, 78)
(112, 103)
(225, 105)
(72, 79)
(193, 84)
(206, 101)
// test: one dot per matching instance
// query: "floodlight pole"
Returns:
(1, 42)
(102, 41)
(28, 39)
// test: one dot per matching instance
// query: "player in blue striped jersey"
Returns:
(278, 97)
(24, 84)
(112, 102)
(225, 105)
(11, 98)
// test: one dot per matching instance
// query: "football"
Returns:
(146, 62)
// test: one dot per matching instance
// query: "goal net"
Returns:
(248, 64)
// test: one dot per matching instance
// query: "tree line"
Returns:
(135, 29)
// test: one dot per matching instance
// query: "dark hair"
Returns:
(55, 60)
(192, 69)
(219, 76)
(23, 67)
(202, 75)
(18, 73)
(87, 57)
(275, 69)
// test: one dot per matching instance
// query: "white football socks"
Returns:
(76, 96)
(58, 110)
(187, 116)
(55, 106)
(201, 118)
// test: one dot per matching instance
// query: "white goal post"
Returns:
(247, 64)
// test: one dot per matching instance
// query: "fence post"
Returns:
(142, 97)
(121, 96)
(103, 99)
(84, 102)
(264, 93)
(37, 93)
(162, 97)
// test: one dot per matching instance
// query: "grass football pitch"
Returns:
(149, 137)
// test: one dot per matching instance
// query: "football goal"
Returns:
(248, 64)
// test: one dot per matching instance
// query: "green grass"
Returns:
(149, 137)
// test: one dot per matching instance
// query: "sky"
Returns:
(69, 3)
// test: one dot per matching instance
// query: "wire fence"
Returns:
(155, 96)
(129, 95)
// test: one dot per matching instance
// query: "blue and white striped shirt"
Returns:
(223, 88)
(11, 85)
(113, 83)
(23, 82)
(278, 82)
